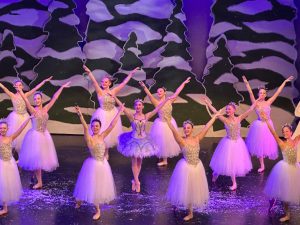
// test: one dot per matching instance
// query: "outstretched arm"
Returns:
(204, 131)
(125, 110)
(56, 95)
(153, 100)
(180, 88)
(6, 91)
(245, 114)
(28, 105)
(117, 89)
(265, 119)
(157, 108)
(252, 98)
(279, 90)
(87, 135)
(176, 135)
(94, 81)
(21, 128)
(213, 109)
(113, 122)
(29, 93)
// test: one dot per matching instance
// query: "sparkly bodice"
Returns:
(98, 151)
(165, 113)
(139, 128)
(39, 121)
(19, 105)
(263, 108)
(233, 129)
(290, 155)
(5, 151)
(107, 102)
(191, 153)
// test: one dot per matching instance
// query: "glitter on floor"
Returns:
(54, 204)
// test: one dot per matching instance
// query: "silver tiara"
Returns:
(139, 100)
(188, 122)
(232, 104)
(287, 125)
(17, 80)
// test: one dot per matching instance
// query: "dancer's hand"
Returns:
(86, 69)
(289, 79)
(263, 116)
(66, 85)
(78, 111)
(48, 79)
(187, 80)
(143, 85)
(245, 80)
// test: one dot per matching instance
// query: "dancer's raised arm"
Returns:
(87, 135)
(176, 135)
(113, 122)
(157, 108)
(21, 128)
(278, 140)
(153, 100)
(6, 91)
(204, 131)
(37, 87)
(117, 89)
(246, 113)
(252, 98)
(28, 105)
(94, 81)
(56, 95)
(214, 110)
(125, 110)
(180, 88)
(279, 90)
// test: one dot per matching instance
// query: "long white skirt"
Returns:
(10, 183)
(188, 185)
(231, 158)
(163, 138)
(14, 121)
(260, 141)
(38, 152)
(95, 183)
(106, 117)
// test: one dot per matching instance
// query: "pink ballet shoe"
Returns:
(214, 177)
(233, 187)
(188, 217)
(37, 187)
(78, 204)
(133, 187)
(3, 212)
(162, 163)
(285, 218)
(97, 216)
(261, 170)
(138, 187)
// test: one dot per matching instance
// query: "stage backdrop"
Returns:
(169, 40)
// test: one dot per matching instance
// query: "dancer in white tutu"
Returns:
(260, 141)
(19, 113)
(105, 113)
(10, 183)
(231, 157)
(160, 131)
(137, 144)
(188, 185)
(284, 180)
(38, 151)
(95, 183)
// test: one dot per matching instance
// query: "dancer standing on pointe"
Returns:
(10, 182)
(19, 113)
(137, 144)
(95, 183)
(260, 141)
(283, 182)
(231, 157)
(188, 185)
(160, 131)
(38, 151)
(105, 113)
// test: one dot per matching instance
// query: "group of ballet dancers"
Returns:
(188, 185)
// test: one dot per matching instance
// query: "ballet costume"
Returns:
(283, 182)
(15, 119)
(10, 182)
(260, 141)
(105, 113)
(188, 184)
(38, 150)
(95, 183)
(137, 143)
(231, 157)
(162, 135)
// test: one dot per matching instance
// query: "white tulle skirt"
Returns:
(10, 183)
(163, 138)
(284, 182)
(95, 183)
(106, 117)
(38, 152)
(260, 141)
(14, 121)
(188, 185)
(231, 158)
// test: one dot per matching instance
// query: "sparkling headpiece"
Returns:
(188, 122)
(139, 100)
(39, 93)
(262, 87)
(17, 80)
(3, 120)
(287, 125)
(165, 89)
(232, 104)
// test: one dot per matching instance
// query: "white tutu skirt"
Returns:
(136, 147)
(260, 141)
(163, 138)
(38, 152)
(14, 121)
(188, 185)
(95, 183)
(10, 183)
(231, 158)
(284, 183)
(106, 117)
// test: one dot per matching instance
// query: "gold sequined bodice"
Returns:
(107, 102)
(233, 129)
(39, 121)
(191, 153)
(165, 113)
(139, 128)
(19, 105)
(98, 151)
(263, 108)
(290, 155)
(5, 151)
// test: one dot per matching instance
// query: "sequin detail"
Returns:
(290, 155)
(107, 102)
(19, 105)
(39, 121)
(233, 129)
(5, 151)
(138, 128)
(263, 108)
(191, 153)
(98, 151)
(165, 113)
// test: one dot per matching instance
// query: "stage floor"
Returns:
(54, 204)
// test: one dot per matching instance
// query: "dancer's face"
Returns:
(3, 129)
(18, 85)
(105, 83)
(230, 110)
(138, 106)
(262, 94)
(37, 98)
(287, 133)
(187, 129)
(161, 92)
(95, 127)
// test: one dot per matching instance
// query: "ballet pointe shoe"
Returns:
(37, 186)
(138, 187)
(3, 212)
(78, 204)
(214, 177)
(285, 218)
(188, 217)
(261, 169)
(97, 216)
(162, 163)
(233, 187)
(133, 187)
